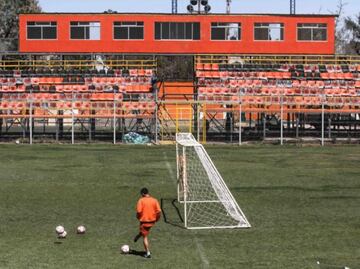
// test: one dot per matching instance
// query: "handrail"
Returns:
(336, 59)
(66, 64)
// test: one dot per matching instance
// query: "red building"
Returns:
(181, 34)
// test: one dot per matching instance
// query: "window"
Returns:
(312, 31)
(41, 30)
(85, 30)
(128, 30)
(177, 30)
(225, 31)
(269, 31)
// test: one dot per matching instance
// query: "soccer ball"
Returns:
(59, 229)
(81, 229)
(125, 249)
(62, 235)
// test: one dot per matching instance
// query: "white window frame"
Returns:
(79, 24)
(120, 26)
(170, 39)
(239, 28)
(312, 31)
(42, 25)
(267, 25)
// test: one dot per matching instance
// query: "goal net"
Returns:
(207, 201)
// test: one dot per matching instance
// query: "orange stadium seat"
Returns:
(199, 66)
(35, 80)
(141, 72)
(325, 75)
(148, 72)
(348, 76)
(133, 72)
(215, 67)
(200, 74)
(207, 66)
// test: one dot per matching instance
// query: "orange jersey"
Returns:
(148, 208)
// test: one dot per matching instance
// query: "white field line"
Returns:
(199, 246)
(168, 165)
(201, 251)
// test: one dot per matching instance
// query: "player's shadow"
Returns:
(171, 212)
(136, 253)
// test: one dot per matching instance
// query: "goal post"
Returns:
(208, 203)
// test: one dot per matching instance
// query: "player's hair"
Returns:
(144, 191)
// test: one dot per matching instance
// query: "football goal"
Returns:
(207, 201)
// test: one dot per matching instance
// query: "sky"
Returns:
(351, 8)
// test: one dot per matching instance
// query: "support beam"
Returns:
(31, 119)
(322, 122)
(240, 122)
(72, 119)
(282, 121)
(114, 121)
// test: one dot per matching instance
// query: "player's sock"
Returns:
(136, 238)
(147, 254)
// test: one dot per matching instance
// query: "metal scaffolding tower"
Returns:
(174, 7)
(292, 7)
(228, 6)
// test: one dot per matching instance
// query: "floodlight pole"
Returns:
(292, 7)
(174, 7)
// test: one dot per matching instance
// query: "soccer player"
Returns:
(148, 212)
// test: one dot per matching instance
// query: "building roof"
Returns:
(183, 14)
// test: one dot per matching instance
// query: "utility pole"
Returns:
(292, 7)
(174, 7)
(228, 6)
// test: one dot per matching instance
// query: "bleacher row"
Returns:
(307, 68)
(285, 100)
(119, 90)
(80, 105)
(60, 72)
(256, 83)
(276, 75)
(109, 84)
(63, 101)
(272, 84)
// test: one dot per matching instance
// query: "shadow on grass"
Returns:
(136, 253)
(171, 212)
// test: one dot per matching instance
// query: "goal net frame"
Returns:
(221, 203)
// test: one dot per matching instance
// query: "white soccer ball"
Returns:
(17, 141)
(81, 229)
(62, 235)
(59, 229)
(125, 249)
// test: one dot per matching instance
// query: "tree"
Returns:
(9, 20)
(340, 39)
(353, 28)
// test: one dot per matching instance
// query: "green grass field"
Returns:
(303, 204)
